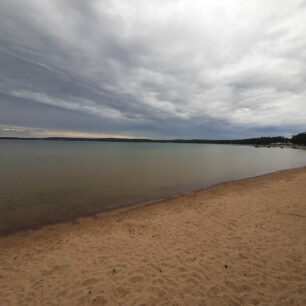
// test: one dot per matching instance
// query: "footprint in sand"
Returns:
(99, 300)
(137, 279)
(241, 256)
(215, 290)
(121, 292)
(89, 282)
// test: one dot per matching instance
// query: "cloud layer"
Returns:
(167, 68)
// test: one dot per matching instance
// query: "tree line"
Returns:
(299, 139)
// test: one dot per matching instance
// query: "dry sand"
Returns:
(239, 243)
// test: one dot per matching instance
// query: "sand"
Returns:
(239, 243)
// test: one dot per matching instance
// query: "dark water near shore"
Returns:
(49, 181)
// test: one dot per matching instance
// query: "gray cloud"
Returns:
(154, 69)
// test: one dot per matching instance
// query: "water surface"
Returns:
(49, 181)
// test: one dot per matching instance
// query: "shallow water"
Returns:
(49, 181)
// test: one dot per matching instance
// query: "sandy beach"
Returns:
(238, 243)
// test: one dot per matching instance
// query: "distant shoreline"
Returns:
(258, 142)
(239, 142)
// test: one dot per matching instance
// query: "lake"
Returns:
(42, 182)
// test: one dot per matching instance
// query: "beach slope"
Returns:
(238, 243)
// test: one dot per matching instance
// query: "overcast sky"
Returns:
(160, 69)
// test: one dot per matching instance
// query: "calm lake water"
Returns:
(48, 181)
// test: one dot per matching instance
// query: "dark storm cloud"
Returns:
(154, 69)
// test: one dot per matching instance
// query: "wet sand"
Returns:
(238, 243)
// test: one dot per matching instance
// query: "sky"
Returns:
(159, 69)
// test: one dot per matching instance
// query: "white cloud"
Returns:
(71, 103)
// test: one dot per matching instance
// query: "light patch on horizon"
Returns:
(22, 131)
(159, 69)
